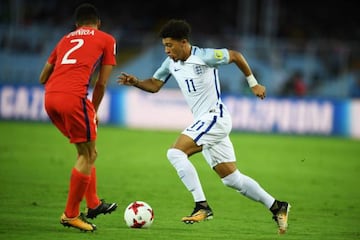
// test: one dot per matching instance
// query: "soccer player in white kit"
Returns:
(196, 72)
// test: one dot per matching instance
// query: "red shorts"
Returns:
(75, 117)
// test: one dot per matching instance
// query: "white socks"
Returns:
(248, 187)
(187, 173)
(236, 180)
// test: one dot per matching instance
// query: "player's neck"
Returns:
(188, 51)
(89, 26)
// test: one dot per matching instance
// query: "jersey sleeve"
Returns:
(109, 51)
(215, 57)
(53, 56)
(163, 73)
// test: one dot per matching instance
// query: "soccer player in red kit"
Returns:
(67, 75)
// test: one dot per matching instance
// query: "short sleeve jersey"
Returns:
(197, 77)
(76, 56)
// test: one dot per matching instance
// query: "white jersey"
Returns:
(197, 78)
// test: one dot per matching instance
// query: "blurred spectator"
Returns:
(295, 85)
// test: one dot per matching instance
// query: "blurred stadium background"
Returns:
(307, 55)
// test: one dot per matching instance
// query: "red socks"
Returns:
(79, 182)
(92, 199)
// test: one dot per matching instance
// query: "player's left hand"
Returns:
(259, 91)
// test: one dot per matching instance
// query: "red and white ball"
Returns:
(139, 214)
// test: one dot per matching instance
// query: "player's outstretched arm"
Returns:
(237, 58)
(149, 85)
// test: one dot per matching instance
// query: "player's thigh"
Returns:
(221, 152)
(186, 144)
(208, 130)
(73, 116)
(53, 107)
(81, 122)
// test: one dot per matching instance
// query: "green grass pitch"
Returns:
(319, 176)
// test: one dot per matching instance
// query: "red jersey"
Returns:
(76, 57)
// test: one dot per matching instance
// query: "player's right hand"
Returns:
(127, 79)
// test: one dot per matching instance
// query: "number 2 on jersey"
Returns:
(66, 59)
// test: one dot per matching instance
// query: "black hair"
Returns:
(86, 13)
(176, 29)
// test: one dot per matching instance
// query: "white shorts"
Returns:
(211, 131)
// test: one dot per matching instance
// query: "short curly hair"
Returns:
(177, 29)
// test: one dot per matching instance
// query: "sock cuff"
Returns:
(82, 176)
(231, 175)
(175, 153)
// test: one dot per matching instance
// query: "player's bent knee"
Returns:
(232, 180)
(175, 155)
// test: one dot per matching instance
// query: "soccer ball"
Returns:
(139, 214)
